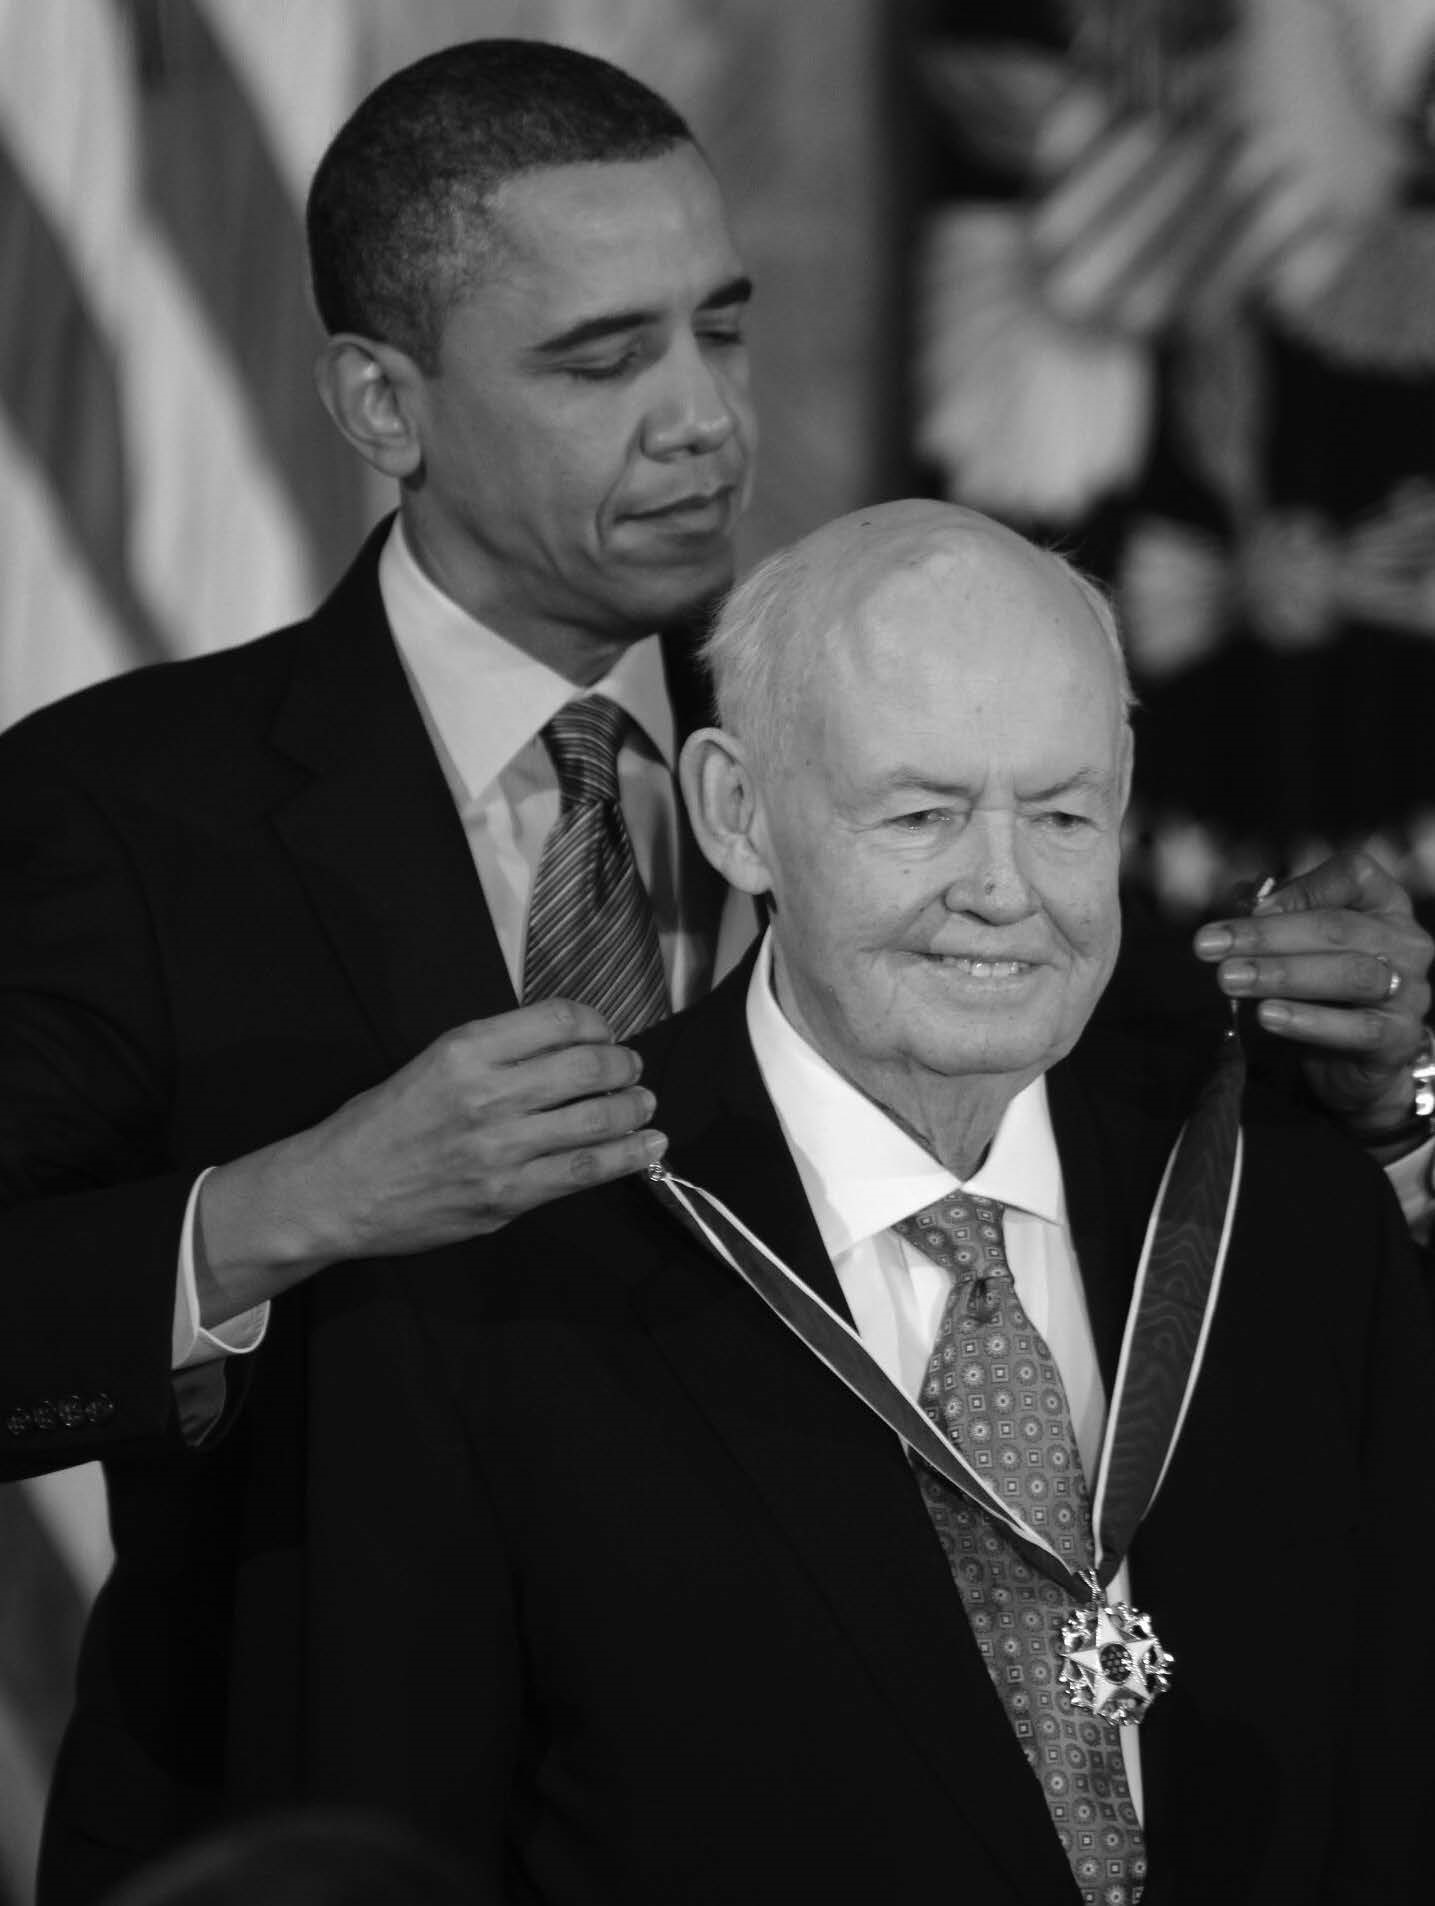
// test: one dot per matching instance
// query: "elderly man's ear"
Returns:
(724, 808)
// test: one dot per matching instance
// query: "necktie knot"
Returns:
(962, 1234)
(583, 740)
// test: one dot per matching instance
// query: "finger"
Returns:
(1336, 979)
(546, 1026)
(1350, 880)
(1388, 1042)
(578, 1127)
(1393, 937)
(559, 1173)
(575, 1073)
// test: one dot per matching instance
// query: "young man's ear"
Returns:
(724, 808)
(371, 390)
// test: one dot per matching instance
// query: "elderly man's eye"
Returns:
(926, 820)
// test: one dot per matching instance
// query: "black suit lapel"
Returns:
(375, 835)
(1114, 1133)
(834, 1483)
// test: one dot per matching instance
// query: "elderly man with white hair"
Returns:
(982, 1461)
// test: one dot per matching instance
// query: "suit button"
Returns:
(100, 1408)
(71, 1411)
(18, 1423)
(43, 1416)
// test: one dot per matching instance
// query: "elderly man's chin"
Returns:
(974, 1049)
(955, 1025)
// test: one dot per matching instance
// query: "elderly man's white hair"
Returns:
(768, 638)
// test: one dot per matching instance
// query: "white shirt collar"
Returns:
(860, 1170)
(485, 696)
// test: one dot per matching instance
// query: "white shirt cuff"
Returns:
(1410, 1179)
(190, 1342)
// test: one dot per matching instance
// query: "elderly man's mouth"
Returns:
(981, 969)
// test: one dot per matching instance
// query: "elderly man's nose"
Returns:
(992, 883)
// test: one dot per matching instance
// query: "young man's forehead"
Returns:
(584, 204)
(612, 244)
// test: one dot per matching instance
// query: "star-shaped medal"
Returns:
(1112, 1665)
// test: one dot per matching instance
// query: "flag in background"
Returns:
(169, 482)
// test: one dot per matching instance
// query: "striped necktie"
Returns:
(993, 1387)
(591, 934)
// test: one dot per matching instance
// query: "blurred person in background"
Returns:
(1177, 306)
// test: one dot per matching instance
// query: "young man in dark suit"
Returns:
(269, 917)
(272, 1040)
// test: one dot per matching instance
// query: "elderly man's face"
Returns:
(943, 843)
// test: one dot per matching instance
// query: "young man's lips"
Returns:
(695, 503)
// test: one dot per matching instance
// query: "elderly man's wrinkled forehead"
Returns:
(896, 577)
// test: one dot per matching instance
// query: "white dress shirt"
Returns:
(484, 703)
(862, 1173)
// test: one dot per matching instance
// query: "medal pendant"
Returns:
(1112, 1665)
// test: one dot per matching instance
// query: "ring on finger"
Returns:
(1393, 981)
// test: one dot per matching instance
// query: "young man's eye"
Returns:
(605, 368)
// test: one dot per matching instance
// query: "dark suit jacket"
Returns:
(233, 893)
(236, 891)
(736, 1666)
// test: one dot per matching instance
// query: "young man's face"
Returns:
(588, 435)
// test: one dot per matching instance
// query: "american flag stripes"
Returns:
(168, 483)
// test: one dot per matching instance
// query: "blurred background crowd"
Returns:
(1153, 279)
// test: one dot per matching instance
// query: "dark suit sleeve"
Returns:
(1375, 1590)
(411, 1560)
(90, 1202)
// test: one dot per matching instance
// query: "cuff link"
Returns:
(1419, 1122)
(1422, 1076)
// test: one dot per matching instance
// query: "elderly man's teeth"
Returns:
(985, 969)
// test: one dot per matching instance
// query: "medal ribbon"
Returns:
(1167, 1325)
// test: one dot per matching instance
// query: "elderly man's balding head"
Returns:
(923, 762)
(779, 626)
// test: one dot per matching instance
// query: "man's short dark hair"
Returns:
(397, 214)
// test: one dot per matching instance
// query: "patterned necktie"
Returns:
(591, 933)
(993, 1387)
